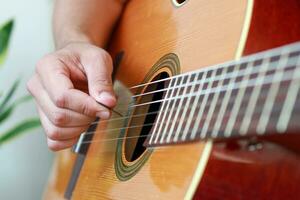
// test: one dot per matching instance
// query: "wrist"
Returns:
(73, 37)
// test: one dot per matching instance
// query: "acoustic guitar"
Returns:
(209, 106)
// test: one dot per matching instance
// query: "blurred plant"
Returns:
(6, 106)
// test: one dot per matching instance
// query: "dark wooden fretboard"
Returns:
(256, 95)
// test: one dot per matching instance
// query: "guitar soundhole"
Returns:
(179, 2)
(143, 118)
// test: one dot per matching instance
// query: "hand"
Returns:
(66, 86)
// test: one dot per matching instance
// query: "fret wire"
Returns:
(194, 107)
(254, 97)
(178, 110)
(224, 105)
(268, 105)
(255, 113)
(160, 113)
(201, 110)
(212, 107)
(289, 102)
(171, 113)
(238, 86)
(186, 107)
(238, 100)
(165, 113)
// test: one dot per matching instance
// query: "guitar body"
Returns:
(199, 33)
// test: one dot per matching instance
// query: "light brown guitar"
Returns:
(191, 127)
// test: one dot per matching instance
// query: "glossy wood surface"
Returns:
(235, 172)
(273, 172)
(201, 33)
(148, 30)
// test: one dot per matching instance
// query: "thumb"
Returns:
(98, 71)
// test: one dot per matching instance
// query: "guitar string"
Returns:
(261, 55)
(267, 80)
(233, 74)
(142, 136)
(238, 74)
(216, 78)
(169, 99)
(262, 97)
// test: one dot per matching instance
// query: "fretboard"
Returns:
(256, 95)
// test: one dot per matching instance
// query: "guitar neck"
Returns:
(256, 95)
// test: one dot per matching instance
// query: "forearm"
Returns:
(84, 21)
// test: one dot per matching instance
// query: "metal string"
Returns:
(216, 89)
(149, 124)
(261, 55)
(132, 137)
(251, 83)
(223, 77)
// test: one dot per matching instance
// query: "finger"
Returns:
(58, 116)
(83, 103)
(98, 70)
(57, 133)
(56, 80)
(54, 76)
(56, 145)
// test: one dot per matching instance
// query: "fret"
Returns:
(191, 98)
(166, 110)
(213, 104)
(194, 106)
(224, 105)
(182, 119)
(238, 101)
(158, 121)
(258, 94)
(290, 100)
(202, 106)
(178, 110)
(172, 103)
(268, 105)
(254, 97)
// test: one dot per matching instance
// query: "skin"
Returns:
(69, 82)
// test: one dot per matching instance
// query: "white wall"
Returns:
(25, 162)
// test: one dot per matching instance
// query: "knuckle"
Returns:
(60, 100)
(103, 57)
(87, 107)
(59, 118)
(53, 133)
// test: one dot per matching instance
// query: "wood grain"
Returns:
(200, 36)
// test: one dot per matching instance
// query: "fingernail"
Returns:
(103, 114)
(107, 98)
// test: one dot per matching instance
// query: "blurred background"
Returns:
(25, 160)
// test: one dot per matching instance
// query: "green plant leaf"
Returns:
(5, 32)
(9, 94)
(5, 113)
(19, 129)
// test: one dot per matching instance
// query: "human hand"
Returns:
(67, 85)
